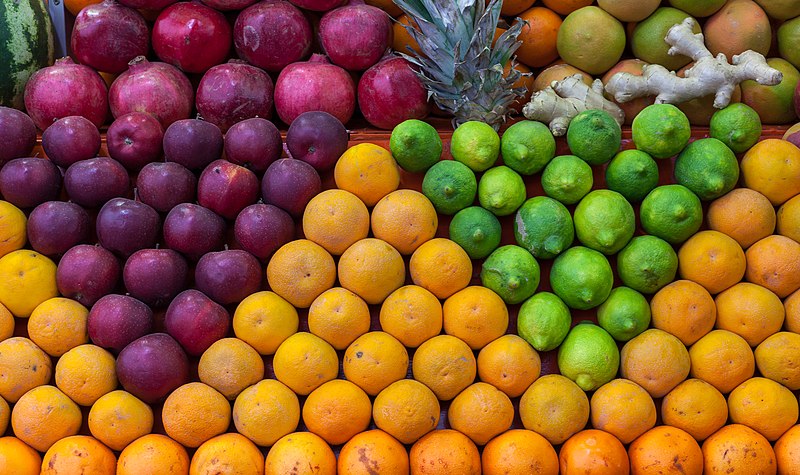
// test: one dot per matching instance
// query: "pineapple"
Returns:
(458, 65)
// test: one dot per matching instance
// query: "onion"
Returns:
(107, 35)
(232, 92)
(191, 36)
(355, 36)
(319, 5)
(272, 34)
(314, 85)
(390, 92)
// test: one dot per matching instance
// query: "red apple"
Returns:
(228, 276)
(226, 188)
(196, 321)
(193, 230)
(152, 366)
(155, 276)
(116, 320)
(87, 273)
(124, 226)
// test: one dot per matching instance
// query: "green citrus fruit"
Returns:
(698, 8)
(738, 126)
(604, 221)
(647, 263)
(582, 277)
(589, 356)
(596, 49)
(594, 136)
(671, 212)
(527, 146)
(450, 185)
(708, 168)
(647, 40)
(567, 179)
(544, 321)
(476, 230)
(501, 190)
(415, 145)
(476, 145)
(511, 272)
(544, 227)
(661, 130)
(624, 314)
(633, 174)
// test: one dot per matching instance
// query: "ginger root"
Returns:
(709, 74)
(560, 102)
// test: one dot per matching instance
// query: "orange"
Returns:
(18, 458)
(44, 415)
(401, 40)
(565, 7)
(300, 449)
(712, 259)
(515, 7)
(406, 410)
(227, 453)
(386, 5)
(763, 405)
(336, 411)
(519, 452)
(593, 452)
(787, 451)
(445, 364)
(118, 418)
(411, 314)
(79, 454)
(230, 365)
(12, 228)
(751, 311)
(778, 358)
(743, 214)
(405, 219)
(772, 167)
(153, 454)
(194, 413)
(59, 324)
(372, 269)
(556, 72)
(774, 262)
(792, 306)
(338, 316)
(665, 449)
(264, 320)
(722, 359)
(445, 452)
(368, 171)
(655, 360)
(737, 448)
(788, 219)
(75, 6)
(371, 452)
(301, 270)
(695, 407)
(23, 366)
(476, 315)
(538, 37)
(304, 362)
(623, 409)
(85, 373)
(27, 279)
(7, 324)
(684, 309)
(481, 411)
(510, 364)
(441, 266)
(267, 400)
(555, 407)
(5, 416)
(335, 219)
(375, 360)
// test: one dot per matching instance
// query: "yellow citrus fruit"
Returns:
(79, 454)
(59, 324)
(743, 214)
(772, 167)
(476, 315)
(338, 316)
(443, 452)
(774, 263)
(792, 306)
(481, 411)
(27, 279)
(227, 453)
(711, 259)
(301, 270)
(264, 320)
(788, 219)
(375, 360)
(7, 323)
(411, 314)
(722, 359)
(304, 361)
(763, 405)
(622, 408)
(749, 310)
(230, 365)
(44, 415)
(405, 219)
(445, 364)
(85, 373)
(518, 452)
(685, 309)
(373, 451)
(12, 228)
(118, 418)
(406, 410)
(695, 407)
(18, 458)
(510, 364)
(335, 219)
(778, 358)
(593, 451)
(787, 451)
(300, 449)
(194, 413)
(23, 366)
(555, 407)
(372, 269)
(5, 415)
(655, 360)
(665, 449)
(737, 448)
(267, 400)
(368, 171)
(441, 266)
(153, 454)
(337, 410)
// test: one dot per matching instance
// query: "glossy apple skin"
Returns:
(87, 273)
(56, 226)
(93, 182)
(318, 139)
(193, 143)
(253, 143)
(261, 229)
(116, 320)
(17, 134)
(135, 139)
(152, 366)
(226, 188)
(228, 276)
(290, 184)
(164, 185)
(155, 276)
(29, 182)
(193, 230)
(70, 140)
(196, 321)
(124, 226)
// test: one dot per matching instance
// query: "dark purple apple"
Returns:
(193, 143)
(226, 188)
(124, 226)
(87, 273)
(155, 276)
(56, 226)
(29, 182)
(17, 134)
(134, 139)
(228, 276)
(261, 229)
(253, 143)
(290, 184)
(196, 321)
(71, 139)
(193, 230)
(163, 185)
(317, 138)
(116, 320)
(152, 366)
(93, 182)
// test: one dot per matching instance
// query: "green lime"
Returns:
(708, 168)
(671, 212)
(544, 227)
(527, 146)
(567, 178)
(476, 230)
(647, 263)
(582, 277)
(594, 136)
(647, 40)
(604, 221)
(624, 314)
(544, 321)
(501, 190)
(589, 356)
(738, 126)
(415, 145)
(633, 174)
(476, 145)
(661, 130)
(512, 273)
(450, 185)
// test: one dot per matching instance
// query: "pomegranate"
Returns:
(107, 35)
(272, 34)
(149, 5)
(314, 85)
(158, 88)
(319, 5)
(228, 5)
(390, 92)
(355, 36)
(231, 92)
(191, 36)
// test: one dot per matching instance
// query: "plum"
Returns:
(227, 188)
(290, 184)
(17, 134)
(71, 139)
(116, 320)
(261, 229)
(56, 226)
(91, 183)
(155, 276)
(193, 230)
(124, 226)
(87, 273)
(152, 366)
(193, 143)
(196, 321)
(253, 143)
(317, 138)
(228, 276)
(135, 139)
(29, 182)
(163, 185)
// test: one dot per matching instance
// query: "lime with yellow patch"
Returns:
(544, 321)
(567, 179)
(589, 356)
(476, 145)
(604, 221)
(501, 190)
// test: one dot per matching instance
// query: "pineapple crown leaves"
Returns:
(458, 65)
